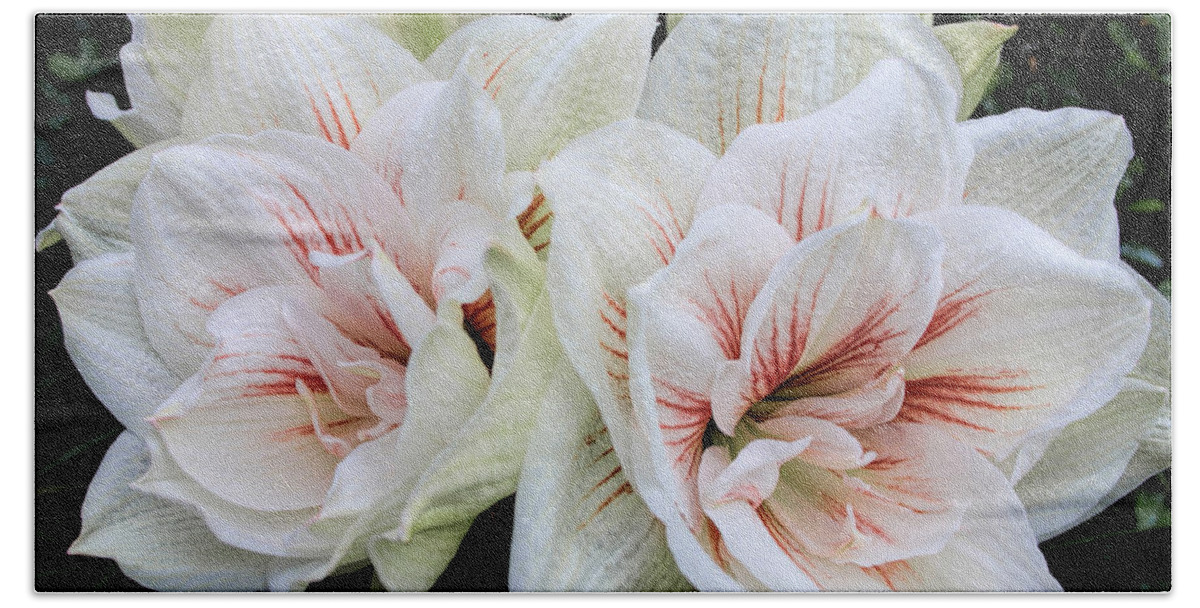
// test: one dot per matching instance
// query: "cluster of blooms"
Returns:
(759, 312)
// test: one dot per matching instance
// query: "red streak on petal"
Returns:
(349, 107)
(602, 454)
(616, 352)
(337, 121)
(952, 310)
(316, 112)
(624, 488)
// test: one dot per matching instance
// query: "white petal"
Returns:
(94, 216)
(558, 82)
(254, 424)
(622, 198)
(579, 526)
(159, 64)
(483, 460)
(743, 531)
(994, 550)
(483, 35)
(839, 311)
(320, 75)
(212, 220)
(416, 564)
(718, 74)
(445, 384)
(270, 532)
(1083, 463)
(436, 143)
(889, 146)
(693, 311)
(1028, 335)
(1059, 169)
(103, 333)
(160, 544)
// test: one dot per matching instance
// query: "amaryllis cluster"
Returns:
(757, 313)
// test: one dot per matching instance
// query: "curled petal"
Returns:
(623, 198)
(210, 221)
(159, 64)
(840, 310)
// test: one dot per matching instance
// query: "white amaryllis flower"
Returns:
(246, 73)
(298, 330)
(866, 348)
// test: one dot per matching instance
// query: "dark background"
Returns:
(1116, 63)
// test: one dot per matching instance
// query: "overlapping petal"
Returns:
(1027, 334)
(320, 75)
(1059, 169)
(888, 147)
(159, 64)
(552, 81)
(717, 75)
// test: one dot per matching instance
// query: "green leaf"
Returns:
(1136, 168)
(1165, 288)
(1147, 205)
(50, 92)
(1151, 511)
(1141, 254)
(81, 67)
(1121, 36)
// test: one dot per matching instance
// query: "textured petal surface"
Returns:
(93, 217)
(839, 311)
(619, 212)
(1059, 169)
(436, 143)
(159, 64)
(320, 75)
(579, 525)
(1027, 336)
(693, 312)
(103, 333)
(889, 146)
(718, 74)
(553, 81)
(210, 221)
(158, 543)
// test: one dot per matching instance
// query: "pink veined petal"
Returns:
(320, 75)
(1027, 336)
(212, 220)
(732, 494)
(693, 311)
(889, 147)
(258, 425)
(718, 74)
(900, 504)
(840, 310)
(620, 209)
(872, 404)
(831, 446)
